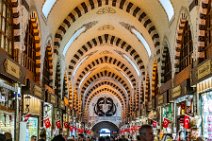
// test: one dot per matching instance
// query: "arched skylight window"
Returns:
(142, 40)
(168, 8)
(76, 34)
(47, 7)
(131, 62)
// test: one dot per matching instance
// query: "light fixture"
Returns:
(46, 109)
(27, 103)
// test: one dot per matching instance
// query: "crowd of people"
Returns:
(145, 134)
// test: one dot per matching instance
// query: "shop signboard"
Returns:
(160, 100)
(176, 92)
(37, 92)
(204, 70)
(62, 105)
(53, 99)
(11, 69)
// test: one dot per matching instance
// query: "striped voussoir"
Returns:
(107, 83)
(180, 29)
(106, 39)
(34, 21)
(204, 9)
(89, 5)
(147, 90)
(65, 85)
(102, 74)
(49, 50)
(164, 55)
(58, 79)
(109, 60)
(16, 23)
(101, 91)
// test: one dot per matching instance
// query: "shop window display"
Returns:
(7, 111)
(184, 115)
(167, 115)
(206, 112)
(48, 109)
(31, 128)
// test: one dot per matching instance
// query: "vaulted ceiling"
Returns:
(98, 40)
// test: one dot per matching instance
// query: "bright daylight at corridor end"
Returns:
(105, 70)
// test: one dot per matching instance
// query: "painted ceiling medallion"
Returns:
(106, 27)
(105, 52)
(105, 107)
(106, 10)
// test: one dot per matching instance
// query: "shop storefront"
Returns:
(31, 111)
(204, 90)
(204, 95)
(7, 111)
(47, 119)
(61, 111)
(56, 120)
(183, 111)
(165, 109)
(206, 112)
(48, 112)
(11, 76)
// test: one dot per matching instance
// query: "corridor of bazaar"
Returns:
(105, 68)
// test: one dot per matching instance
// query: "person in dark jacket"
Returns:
(8, 136)
(58, 138)
(42, 135)
(146, 133)
(2, 137)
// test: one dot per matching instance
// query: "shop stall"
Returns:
(184, 111)
(7, 111)
(47, 119)
(31, 102)
(204, 90)
(204, 99)
(11, 76)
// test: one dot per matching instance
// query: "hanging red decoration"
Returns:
(47, 122)
(186, 122)
(27, 116)
(154, 123)
(71, 128)
(66, 125)
(58, 124)
(165, 122)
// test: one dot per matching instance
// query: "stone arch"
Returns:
(99, 91)
(104, 124)
(106, 39)
(102, 74)
(109, 60)
(49, 56)
(184, 17)
(87, 6)
(36, 30)
(165, 53)
(104, 83)
(147, 89)
(202, 25)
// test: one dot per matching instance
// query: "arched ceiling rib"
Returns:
(105, 89)
(106, 60)
(106, 57)
(101, 73)
(86, 7)
(108, 83)
(102, 40)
